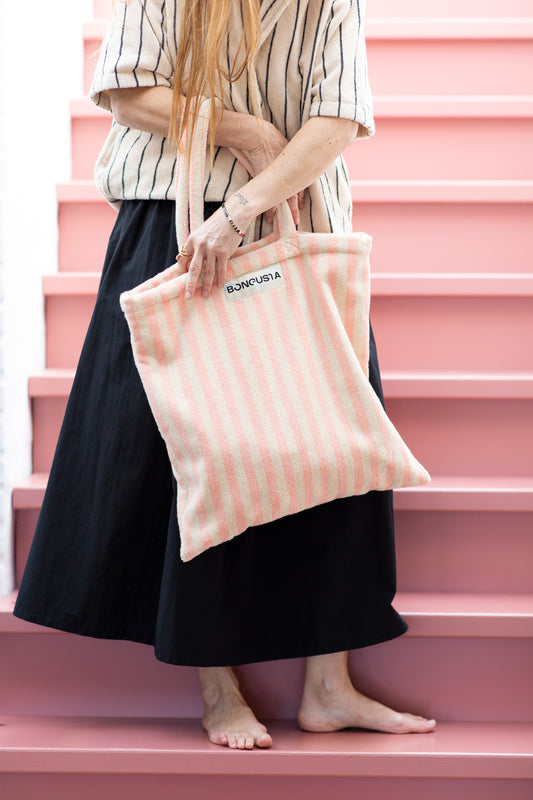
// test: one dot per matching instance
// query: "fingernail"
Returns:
(206, 294)
(188, 295)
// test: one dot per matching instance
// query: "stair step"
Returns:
(448, 534)
(406, 55)
(472, 663)
(413, 226)
(484, 431)
(469, 138)
(410, 316)
(396, 284)
(176, 747)
(429, 614)
(444, 493)
(58, 383)
(411, 28)
(455, 8)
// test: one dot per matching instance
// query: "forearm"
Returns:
(149, 109)
(313, 148)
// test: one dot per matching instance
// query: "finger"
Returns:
(181, 264)
(269, 215)
(222, 271)
(194, 271)
(209, 275)
(301, 198)
(293, 205)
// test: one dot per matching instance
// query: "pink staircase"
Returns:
(446, 189)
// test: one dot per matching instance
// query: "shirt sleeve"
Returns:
(340, 86)
(135, 51)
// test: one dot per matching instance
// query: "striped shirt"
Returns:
(311, 61)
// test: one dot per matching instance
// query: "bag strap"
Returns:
(190, 182)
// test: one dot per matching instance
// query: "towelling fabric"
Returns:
(261, 390)
(311, 61)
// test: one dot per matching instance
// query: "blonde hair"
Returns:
(202, 63)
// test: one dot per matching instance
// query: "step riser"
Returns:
(410, 237)
(472, 67)
(454, 551)
(452, 8)
(415, 67)
(51, 786)
(466, 437)
(452, 679)
(84, 230)
(436, 551)
(467, 149)
(489, 333)
(88, 136)
(451, 436)
(448, 237)
(453, 333)
(415, 8)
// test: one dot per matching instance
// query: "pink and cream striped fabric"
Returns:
(261, 391)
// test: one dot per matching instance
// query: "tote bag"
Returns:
(261, 390)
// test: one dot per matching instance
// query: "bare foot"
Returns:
(331, 709)
(228, 719)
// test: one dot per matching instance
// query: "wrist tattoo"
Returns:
(242, 199)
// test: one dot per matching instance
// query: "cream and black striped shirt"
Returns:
(311, 62)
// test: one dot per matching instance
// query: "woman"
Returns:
(105, 559)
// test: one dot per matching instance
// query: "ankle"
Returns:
(216, 683)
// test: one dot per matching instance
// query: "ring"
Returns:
(184, 252)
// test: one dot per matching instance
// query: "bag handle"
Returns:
(190, 181)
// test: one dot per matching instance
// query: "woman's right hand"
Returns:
(267, 144)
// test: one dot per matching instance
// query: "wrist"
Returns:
(241, 209)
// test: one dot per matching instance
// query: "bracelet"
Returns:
(235, 228)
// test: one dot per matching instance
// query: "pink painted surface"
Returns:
(72, 314)
(88, 136)
(453, 333)
(468, 437)
(77, 251)
(92, 745)
(453, 8)
(462, 551)
(410, 316)
(169, 787)
(483, 237)
(474, 67)
(460, 148)
(455, 150)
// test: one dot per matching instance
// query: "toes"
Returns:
(249, 742)
(241, 741)
(232, 740)
(265, 740)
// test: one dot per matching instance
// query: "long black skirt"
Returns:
(105, 556)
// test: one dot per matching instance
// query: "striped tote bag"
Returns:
(261, 391)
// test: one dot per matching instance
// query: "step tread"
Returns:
(405, 284)
(444, 493)
(373, 191)
(438, 105)
(407, 28)
(177, 746)
(57, 382)
(428, 614)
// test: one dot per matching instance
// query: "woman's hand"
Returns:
(208, 249)
(267, 144)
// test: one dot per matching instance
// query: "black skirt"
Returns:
(105, 556)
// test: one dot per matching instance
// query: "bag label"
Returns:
(261, 280)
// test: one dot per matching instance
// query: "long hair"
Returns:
(202, 62)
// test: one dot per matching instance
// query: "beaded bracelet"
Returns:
(235, 228)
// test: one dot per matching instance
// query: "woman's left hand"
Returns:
(208, 249)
